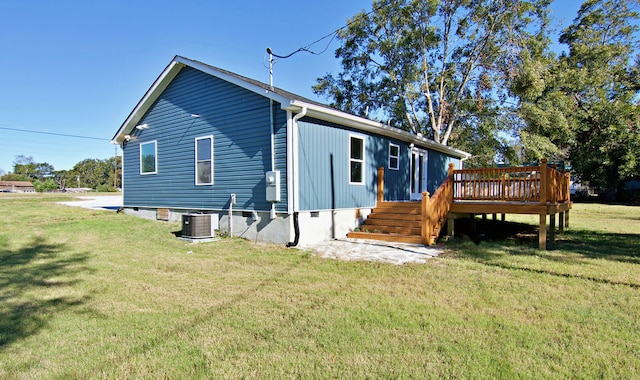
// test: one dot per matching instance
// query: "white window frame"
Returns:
(195, 160)
(361, 161)
(155, 157)
(397, 157)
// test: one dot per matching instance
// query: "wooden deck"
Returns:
(539, 190)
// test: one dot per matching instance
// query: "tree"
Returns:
(26, 166)
(586, 108)
(435, 67)
(15, 177)
(61, 178)
(94, 173)
(47, 185)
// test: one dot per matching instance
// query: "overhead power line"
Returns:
(53, 133)
(333, 35)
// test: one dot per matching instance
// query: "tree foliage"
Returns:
(584, 105)
(101, 175)
(435, 67)
(95, 173)
(47, 185)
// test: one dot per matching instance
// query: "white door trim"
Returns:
(418, 173)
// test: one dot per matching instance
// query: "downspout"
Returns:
(272, 212)
(462, 160)
(293, 192)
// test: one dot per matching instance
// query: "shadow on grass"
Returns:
(589, 244)
(28, 278)
(571, 247)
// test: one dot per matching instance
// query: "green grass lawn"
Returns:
(96, 294)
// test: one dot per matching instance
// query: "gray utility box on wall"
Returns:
(199, 225)
(273, 186)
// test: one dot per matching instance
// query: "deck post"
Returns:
(567, 186)
(473, 227)
(561, 222)
(544, 181)
(566, 219)
(484, 223)
(552, 228)
(542, 233)
(425, 230)
(380, 184)
(451, 222)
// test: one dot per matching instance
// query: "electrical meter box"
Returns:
(273, 186)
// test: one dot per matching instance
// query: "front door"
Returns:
(418, 173)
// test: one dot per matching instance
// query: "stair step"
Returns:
(377, 214)
(391, 229)
(399, 208)
(394, 222)
(386, 237)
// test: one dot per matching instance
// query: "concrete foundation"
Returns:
(315, 226)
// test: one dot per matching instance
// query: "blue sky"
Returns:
(73, 67)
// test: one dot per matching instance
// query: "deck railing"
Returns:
(436, 208)
(540, 184)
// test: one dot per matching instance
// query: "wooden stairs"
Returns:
(396, 222)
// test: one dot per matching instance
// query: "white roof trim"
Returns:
(371, 126)
(165, 78)
(234, 80)
(147, 100)
(287, 103)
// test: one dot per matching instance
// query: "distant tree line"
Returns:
(99, 175)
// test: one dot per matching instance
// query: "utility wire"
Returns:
(332, 35)
(54, 134)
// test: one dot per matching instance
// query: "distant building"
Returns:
(78, 189)
(16, 187)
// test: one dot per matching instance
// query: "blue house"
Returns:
(267, 164)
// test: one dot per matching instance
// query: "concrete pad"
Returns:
(374, 250)
(107, 202)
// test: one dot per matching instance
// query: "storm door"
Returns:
(418, 173)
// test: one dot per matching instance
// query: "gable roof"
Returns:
(4, 184)
(288, 100)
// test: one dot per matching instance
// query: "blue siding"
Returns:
(438, 165)
(324, 168)
(239, 122)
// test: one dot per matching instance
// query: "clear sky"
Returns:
(77, 68)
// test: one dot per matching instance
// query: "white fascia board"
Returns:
(165, 78)
(367, 125)
(284, 101)
(147, 100)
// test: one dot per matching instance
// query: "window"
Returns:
(394, 156)
(148, 158)
(204, 160)
(356, 160)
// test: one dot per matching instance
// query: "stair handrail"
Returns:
(436, 208)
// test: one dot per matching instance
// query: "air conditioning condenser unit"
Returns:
(198, 226)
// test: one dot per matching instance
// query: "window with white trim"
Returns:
(149, 157)
(204, 160)
(356, 160)
(394, 156)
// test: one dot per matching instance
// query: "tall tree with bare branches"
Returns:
(433, 67)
